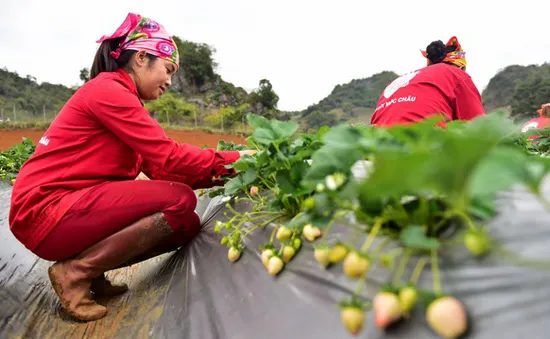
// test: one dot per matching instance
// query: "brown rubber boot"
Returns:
(177, 240)
(72, 279)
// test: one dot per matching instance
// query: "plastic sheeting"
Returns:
(198, 293)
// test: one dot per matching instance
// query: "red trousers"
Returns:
(112, 206)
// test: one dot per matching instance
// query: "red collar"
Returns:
(127, 81)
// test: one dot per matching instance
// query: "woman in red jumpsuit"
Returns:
(541, 122)
(75, 200)
(442, 87)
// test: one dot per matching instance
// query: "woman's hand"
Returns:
(248, 152)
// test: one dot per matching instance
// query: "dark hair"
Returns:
(104, 62)
(546, 111)
(437, 51)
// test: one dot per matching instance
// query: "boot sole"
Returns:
(65, 305)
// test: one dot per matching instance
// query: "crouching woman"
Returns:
(75, 200)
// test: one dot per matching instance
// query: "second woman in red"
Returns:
(441, 88)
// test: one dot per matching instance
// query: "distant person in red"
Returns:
(442, 87)
(76, 200)
(540, 122)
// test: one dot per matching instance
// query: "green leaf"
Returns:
(506, 166)
(249, 176)
(264, 136)
(216, 192)
(284, 182)
(298, 172)
(343, 136)
(483, 208)
(415, 237)
(243, 163)
(233, 185)
(284, 129)
(241, 181)
(256, 121)
(501, 169)
(329, 160)
(270, 131)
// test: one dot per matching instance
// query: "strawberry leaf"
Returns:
(415, 237)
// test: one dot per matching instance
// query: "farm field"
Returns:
(9, 137)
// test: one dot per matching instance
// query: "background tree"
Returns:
(264, 99)
(85, 75)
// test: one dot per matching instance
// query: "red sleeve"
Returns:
(123, 114)
(467, 103)
(194, 181)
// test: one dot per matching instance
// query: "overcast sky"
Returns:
(303, 47)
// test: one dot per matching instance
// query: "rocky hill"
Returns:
(520, 89)
(355, 101)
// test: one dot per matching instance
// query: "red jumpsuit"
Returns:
(79, 187)
(538, 123)
(434, 89)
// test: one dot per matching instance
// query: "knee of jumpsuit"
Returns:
(181, 215)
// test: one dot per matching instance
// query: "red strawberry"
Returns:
(274, 265)
(447, 317)
(254, 190)
(310, 232)
(387, 309)
(266, 254)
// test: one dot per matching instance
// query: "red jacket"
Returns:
(103, 133)
(434, 89)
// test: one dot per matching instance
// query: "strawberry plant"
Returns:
(422, 190)
(229, 146)
(276, 170)
(12, 159)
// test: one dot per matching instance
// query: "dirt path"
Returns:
(198, 138)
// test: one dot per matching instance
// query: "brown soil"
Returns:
(8, 138)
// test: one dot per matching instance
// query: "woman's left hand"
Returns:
(248, 152)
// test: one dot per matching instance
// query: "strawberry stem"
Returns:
(229, 207)
(466, 218)
(270, 187)
(401, 268)
(272, 235)
(327, 229)
(360, 284)
(380, 247)
(418, 270)
(377, 225)
(255, 227)
(435, 273)
(395, 252)
(263, 213)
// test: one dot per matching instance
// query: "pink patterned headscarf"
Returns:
(144, 34)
